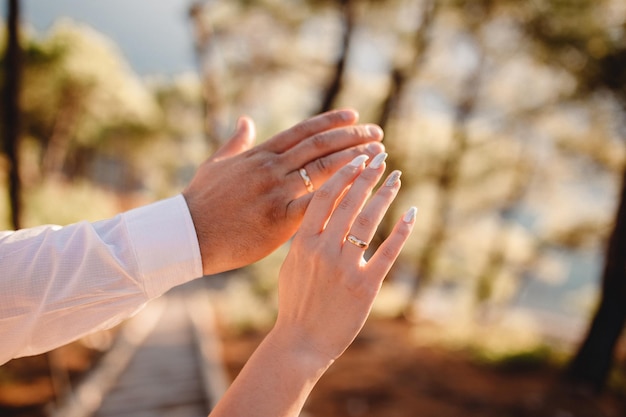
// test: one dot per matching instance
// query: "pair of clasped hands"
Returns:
(316, 180)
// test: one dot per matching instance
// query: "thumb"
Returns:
(241, 140)
(297, 208)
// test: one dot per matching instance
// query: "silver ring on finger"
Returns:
(307, 180)
(357, 242)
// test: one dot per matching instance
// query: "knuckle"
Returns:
(360, 288)
(346, 203)
(337, 117)
(322, 194)
(278, 211)
(301, 129)
(358, 132)
(389, 253)
(322, 164)
(306, 245)
(363, 221)
(369, 174)
(319, 141)
(266, 159)
(404, 232)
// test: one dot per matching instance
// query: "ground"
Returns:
(382, 374)
(26, 386)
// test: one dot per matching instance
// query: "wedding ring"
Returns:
(357, 242)
(307, 180)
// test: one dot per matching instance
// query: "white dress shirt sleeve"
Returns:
(60, 283)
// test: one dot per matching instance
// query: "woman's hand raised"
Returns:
(326, 288)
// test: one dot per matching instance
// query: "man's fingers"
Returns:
(242, 140)
(296, 208)
(321, 169)
(310, 127)
(329, 142)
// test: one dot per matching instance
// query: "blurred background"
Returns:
(506, 118)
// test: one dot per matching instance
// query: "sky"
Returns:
(154, 35)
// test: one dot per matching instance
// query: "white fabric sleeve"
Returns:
(60, 283)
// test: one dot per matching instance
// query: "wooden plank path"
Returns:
(166, 361)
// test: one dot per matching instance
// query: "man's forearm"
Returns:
(60, 283)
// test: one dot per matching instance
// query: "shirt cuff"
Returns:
(165, 243)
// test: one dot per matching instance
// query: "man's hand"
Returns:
(245, 202)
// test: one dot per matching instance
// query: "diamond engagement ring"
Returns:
(307, 180)
(357, 242)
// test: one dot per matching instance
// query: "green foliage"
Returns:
(102, 88)
(80, 96)
(617, 380)
(540, 356)
(57, 203)
(584, 36)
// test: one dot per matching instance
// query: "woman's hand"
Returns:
(326, 288)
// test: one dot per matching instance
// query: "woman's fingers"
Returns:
(364, 226)
(340, 212)
(324, 200)
(354, 199)
(320, 169)
(381, 261)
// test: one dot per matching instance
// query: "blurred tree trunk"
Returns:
(13, 68)
(559, 28)
(448, 178)
(204, 43)
(591, 365)
(58, 145)
(497, 251)
(449, 175)
(404, 72)
(336, 82)
(401, 75)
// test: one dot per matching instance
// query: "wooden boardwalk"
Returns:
(165, 362)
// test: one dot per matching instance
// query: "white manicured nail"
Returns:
(410, 215)
(393, 178)
(378, 160)
(359, 160)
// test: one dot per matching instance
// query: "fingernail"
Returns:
(359, 160)
(410, 215)
(374, 148)
(347, 115)
(378, 160)
(393, 178)
(374, 131)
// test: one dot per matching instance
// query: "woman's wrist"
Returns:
(291, 343)
(276, 380)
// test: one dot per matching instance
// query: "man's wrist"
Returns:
(165, 244)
